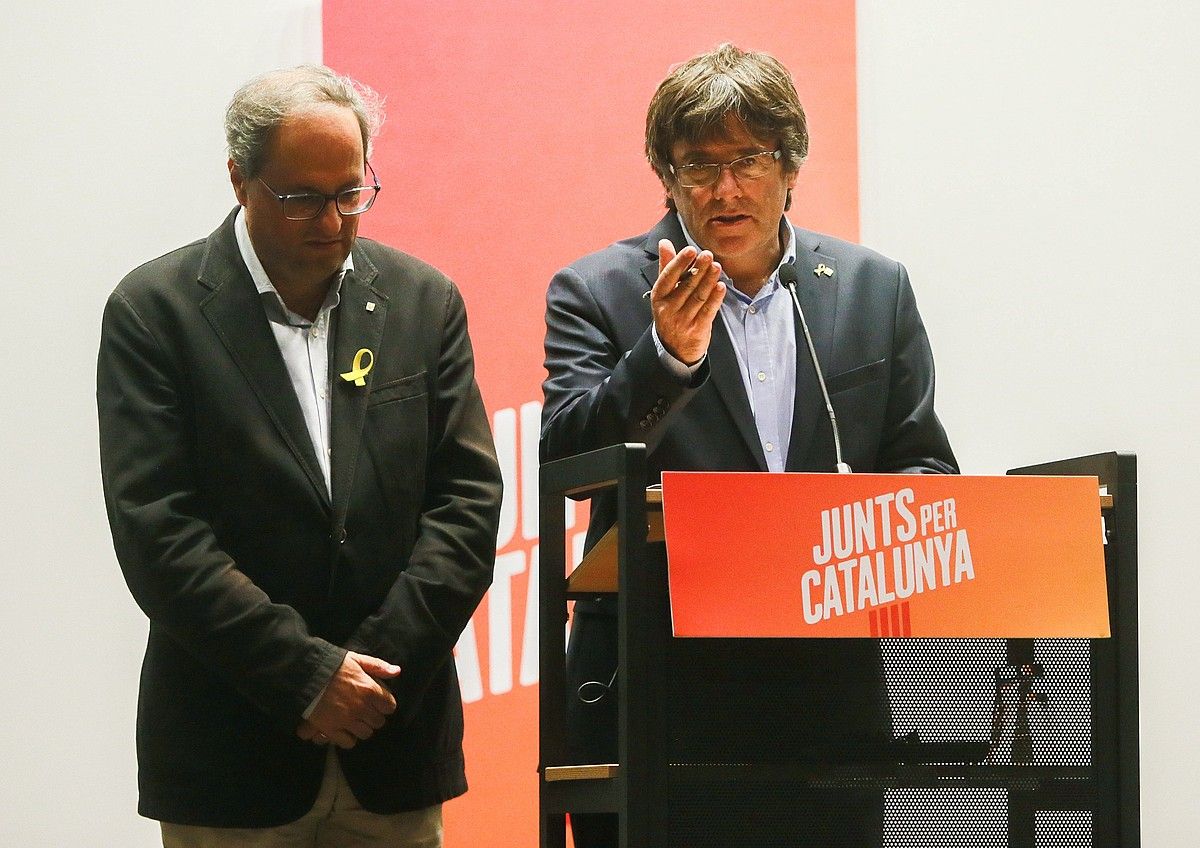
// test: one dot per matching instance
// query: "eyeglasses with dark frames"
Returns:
(309, 205)
(751, 167)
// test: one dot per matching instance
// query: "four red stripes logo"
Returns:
(891, 620)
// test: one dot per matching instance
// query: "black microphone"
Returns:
(787, 276)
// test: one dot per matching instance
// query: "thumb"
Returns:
(375, 666)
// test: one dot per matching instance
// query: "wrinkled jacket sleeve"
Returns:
(597, 392)
(170, 556)
(451, 564)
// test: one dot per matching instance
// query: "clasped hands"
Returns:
(684, 300)
(354, 704)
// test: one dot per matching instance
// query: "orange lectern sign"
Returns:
(800, 555)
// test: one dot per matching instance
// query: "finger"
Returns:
(691, 312)
(343, 739)
(691, 277)
(710, 286)
(711, 306)
(666, 252)
(381, 701)
(369, 716)
(376, 667)
(670, 273)
(702, 294)
(360, 729)
(319, 733)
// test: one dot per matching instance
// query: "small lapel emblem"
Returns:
(823, 270)
(370, 306)
(359, 371)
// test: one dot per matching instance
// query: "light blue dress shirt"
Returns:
(763, 332)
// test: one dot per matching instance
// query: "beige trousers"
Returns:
(335, 821)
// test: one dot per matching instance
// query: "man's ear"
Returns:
(668, 198)
(238, 181)
(791, 184)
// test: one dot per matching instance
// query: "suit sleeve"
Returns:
(451, 564)
(169, 554)
(913, 440)
(597, 393)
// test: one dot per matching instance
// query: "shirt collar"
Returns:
(263, 283)
(789, 255)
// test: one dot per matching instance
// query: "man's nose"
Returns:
(330, 220)
(726, 184)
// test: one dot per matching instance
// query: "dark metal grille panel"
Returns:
(741, 814)
(942, 689)
(946, 818)
(965, 689)
(1062, 732)
(1063, 829)
(743, 706)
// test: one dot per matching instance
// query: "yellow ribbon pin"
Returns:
(358, 373)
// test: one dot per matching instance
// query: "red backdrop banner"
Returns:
(513, 145)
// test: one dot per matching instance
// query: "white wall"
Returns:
(112, 152)
(1034, 168)
(1034, 164)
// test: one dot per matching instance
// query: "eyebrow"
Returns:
(313, 190)
(691, 157)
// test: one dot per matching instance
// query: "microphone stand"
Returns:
(787, 276)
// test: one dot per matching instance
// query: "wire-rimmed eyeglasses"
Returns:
(309, 205)
(750, 167)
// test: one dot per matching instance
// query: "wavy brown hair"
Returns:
(692, 103)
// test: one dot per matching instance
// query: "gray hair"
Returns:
(266, 101)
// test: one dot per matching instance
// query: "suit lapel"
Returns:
(722, 360)
(818, 298)
(358, 328)
(235, 312)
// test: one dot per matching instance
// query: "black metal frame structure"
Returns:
(650, 786)
(1114, 772)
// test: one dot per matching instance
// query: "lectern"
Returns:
(993, 742)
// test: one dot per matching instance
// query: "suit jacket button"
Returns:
(338, 535)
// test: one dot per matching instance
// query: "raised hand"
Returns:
(684, 300)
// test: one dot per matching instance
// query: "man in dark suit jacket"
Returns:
(303, 494)
(685, 339)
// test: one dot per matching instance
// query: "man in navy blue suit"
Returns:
(685, 339)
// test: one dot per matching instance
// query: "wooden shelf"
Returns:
(597, 572)
(598, 771)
